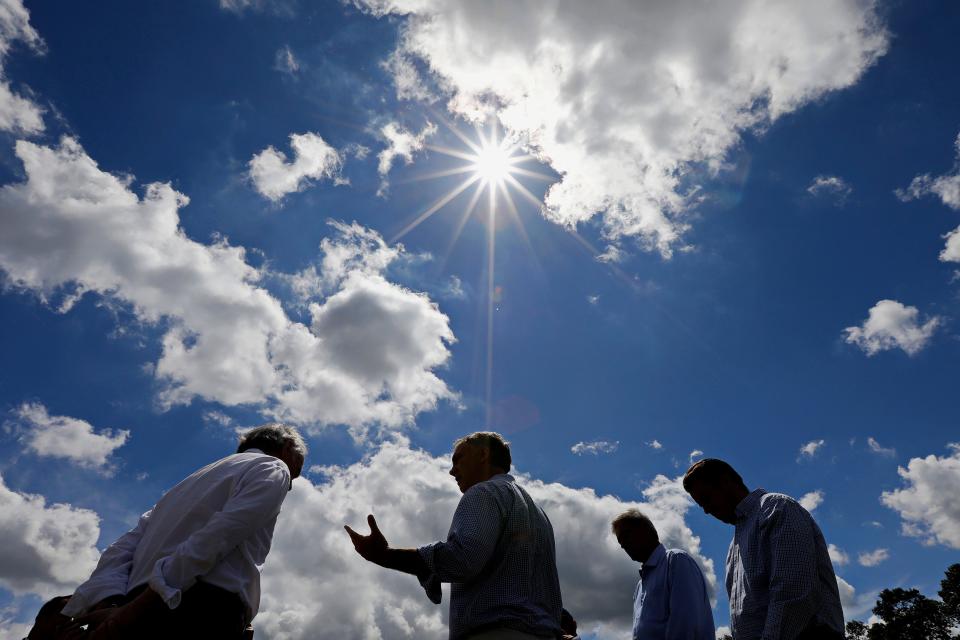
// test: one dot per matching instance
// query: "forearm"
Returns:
(405, 560)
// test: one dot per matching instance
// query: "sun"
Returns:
(491, 166)
(493, 163)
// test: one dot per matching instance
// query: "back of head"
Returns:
(711, 472)
(635, 518)
(499, 448)
(272, 438)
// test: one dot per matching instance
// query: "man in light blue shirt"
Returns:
(670, 601)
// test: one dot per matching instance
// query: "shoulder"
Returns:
(778, 506)
(254, 465)
(679, 557)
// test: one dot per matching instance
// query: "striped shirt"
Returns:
(500, 559)
(780, 580)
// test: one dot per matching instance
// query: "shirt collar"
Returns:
(749, 504)
(658, 554)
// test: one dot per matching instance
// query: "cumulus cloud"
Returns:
(812, 500)
(945, 187)
(401, 144)
(876, 448)
(655, 444)
(369, 354)
(313, 159)
(313, 579)
(17, 114)
(46, 549)
(810, 449)
(854, 605)
(69, 438)
(873, 558)
(723, 632)
(927, 504)
(892, 325)
(838, 555)
(595, 448)
(633, 142)
(833, 187)
(695, 455)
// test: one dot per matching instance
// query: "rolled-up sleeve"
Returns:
(472, 539)
(256, 499)
(112, 575)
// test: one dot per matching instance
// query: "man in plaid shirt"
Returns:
(499, 555)
(780, 579)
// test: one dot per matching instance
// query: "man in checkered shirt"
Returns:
(780, 579)
(499, 555)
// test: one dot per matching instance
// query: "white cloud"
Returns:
(854, 606)
(873, 558)
(368, 356)
(655, 444)
(696, 453)
(875, 447)
(838, 555)
(633, 142)
(283, 7)
(834, 187)
(414, 497)
(17, 114)
(594, 300)
(402, 144)
(46, 549)
(314, 159)
(812, 500)
(946, 187)
(928, 505)
(70, 438)
(951, 250)
(810, 449)
(595, 448)
(285, 61)
(722, 632)
(892, 325)
(406, 78)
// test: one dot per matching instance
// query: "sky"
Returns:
(626, 235)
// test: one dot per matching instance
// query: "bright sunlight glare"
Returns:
(493, 163)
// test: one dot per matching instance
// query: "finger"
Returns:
(355, 537)
(374, 529)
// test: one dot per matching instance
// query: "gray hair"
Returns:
(494, 442)
(271, 438)
(634, 518)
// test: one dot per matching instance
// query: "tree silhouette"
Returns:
(856, 630)
(950, 594)
(906, 614)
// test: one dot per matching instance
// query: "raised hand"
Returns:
(372, 547)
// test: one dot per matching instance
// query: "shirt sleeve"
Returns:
(471, 541)
(112, 574)
(793, 597)
(689, 606)
(255, 500)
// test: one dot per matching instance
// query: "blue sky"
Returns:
(725, 210)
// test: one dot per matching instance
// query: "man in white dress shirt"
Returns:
(191, 566)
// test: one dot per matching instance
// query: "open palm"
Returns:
(372, 547)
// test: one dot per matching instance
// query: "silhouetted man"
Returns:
(499, 555)
(191, 566)
(670, 601)
(780, 579)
